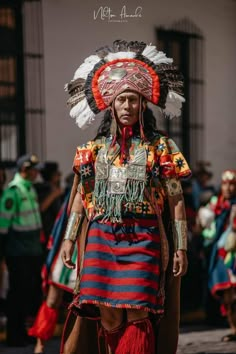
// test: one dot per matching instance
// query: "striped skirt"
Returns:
(122, 266)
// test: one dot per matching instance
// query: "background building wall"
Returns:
(71, 33)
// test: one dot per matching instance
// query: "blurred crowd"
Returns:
(29, 206)
(210, 283)
(198, 192)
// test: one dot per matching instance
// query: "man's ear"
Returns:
(144, 105)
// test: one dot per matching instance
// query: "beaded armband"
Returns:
(180, 232)
(73, 226)
(173, 187)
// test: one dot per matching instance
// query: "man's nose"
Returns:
(127, 104)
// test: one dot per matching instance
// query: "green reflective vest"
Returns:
(20, 221)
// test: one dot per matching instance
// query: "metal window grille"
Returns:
(184, 42)
(22, 116)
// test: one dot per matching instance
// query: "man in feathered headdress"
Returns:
(126, 174)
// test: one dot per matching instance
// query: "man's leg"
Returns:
(113, 326)
(80, 336)
(46, 319)
(138, 334)
(229, 299)
(16, 301)
(168, 329)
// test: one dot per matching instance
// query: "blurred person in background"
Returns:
(20, 229)
(192, 284)
(50, 197)
(56, 279)
(200, 184)
(3, 272)
(2, 177)
(218, 220)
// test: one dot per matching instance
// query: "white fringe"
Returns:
(82, 114)
(156, 57)
(87, 66)
(120, 55)
(173, 104)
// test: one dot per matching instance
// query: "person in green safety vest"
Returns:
(20, 228)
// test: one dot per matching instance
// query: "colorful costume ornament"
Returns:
(125, 175)
(222, 234)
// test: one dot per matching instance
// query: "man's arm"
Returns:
(72, 230)
(179, 224)
(7, 212)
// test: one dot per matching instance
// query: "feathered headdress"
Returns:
(132, 66)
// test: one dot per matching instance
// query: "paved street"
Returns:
(204, 340)
(193, 340)
(52, 348)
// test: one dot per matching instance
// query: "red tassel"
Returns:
(113, 337)
(126, 133)
(138, 338)
(45, 322)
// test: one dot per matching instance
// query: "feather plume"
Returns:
(136, 46)
(173, 104)
(103, 51)
(120, 55)
(87, 66)
(156, 57)
(82, 114)
(120, 46)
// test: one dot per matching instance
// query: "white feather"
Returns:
(82, 114)
(173, 104)
(173, 96)
(87, 66)
(120, 55)
(156, 57)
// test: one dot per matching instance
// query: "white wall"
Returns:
(71, 34)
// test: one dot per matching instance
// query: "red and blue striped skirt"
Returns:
(122, 266)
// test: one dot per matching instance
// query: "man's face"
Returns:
(31, 174)
(2, 178)
(127, 108)
(228, 189)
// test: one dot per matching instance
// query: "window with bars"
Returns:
(11, 101)
(22, 114)
(185, 44)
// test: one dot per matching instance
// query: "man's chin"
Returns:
(127, 122)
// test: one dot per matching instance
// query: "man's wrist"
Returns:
(73, 226)
(180, 233)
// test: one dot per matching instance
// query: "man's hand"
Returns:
(180, 263)
(66, 253)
